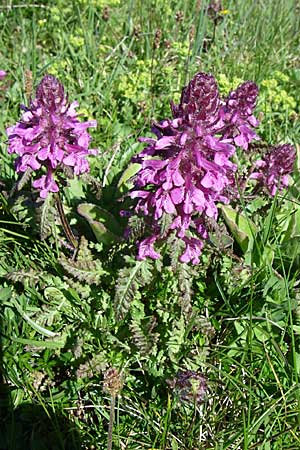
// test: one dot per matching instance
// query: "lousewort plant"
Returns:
(187, 169)
(49, 136)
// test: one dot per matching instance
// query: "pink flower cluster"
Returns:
(49, 135)
(186, 170)
(273, 169)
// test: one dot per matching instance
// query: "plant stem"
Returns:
(64, 221)
(111, 422)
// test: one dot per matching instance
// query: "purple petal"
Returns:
(146, 249)
(2, 74)
(177, 195)
(165, 142)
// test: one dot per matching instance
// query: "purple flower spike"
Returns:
(274, 168)
(187, 170)
(49, 135)
(200, 100)
(237, 114)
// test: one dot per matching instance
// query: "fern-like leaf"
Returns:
(29, 277)
(84, 253)
(23, 208)
(129, 281)
(84, 268)
(82, 289)
(24, 178)
(184, 274)
(143, 336)
(46, 216)
(137, 227)
(175, 247)
(185, 281)
(33, 277)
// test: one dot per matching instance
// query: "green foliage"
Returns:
(22, 181)
(29, 277)
(242, 228)
(105, 227)
(143, 336)
(274, 96)
(130, 279)
(84, 267)
(125, 180)
(46, 216)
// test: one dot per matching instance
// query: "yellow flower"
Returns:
(224, 12)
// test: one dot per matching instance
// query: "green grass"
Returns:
(235, 317)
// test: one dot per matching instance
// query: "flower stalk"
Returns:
(65, 223)
(113, 383)
(111, 421)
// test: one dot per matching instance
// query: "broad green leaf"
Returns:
(125, 182)
(293, 230)
(268, 223)
(256, 204)
(261, 334)
(240, 329)
(291, 237)
(5, 294)
(286, 223)
(103, 224)
(42, 344)
(75, 189)
(267, 256)
(241, 227)
(296, 329)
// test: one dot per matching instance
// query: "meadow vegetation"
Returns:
(99, 348)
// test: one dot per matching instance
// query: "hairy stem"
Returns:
(64, 221)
